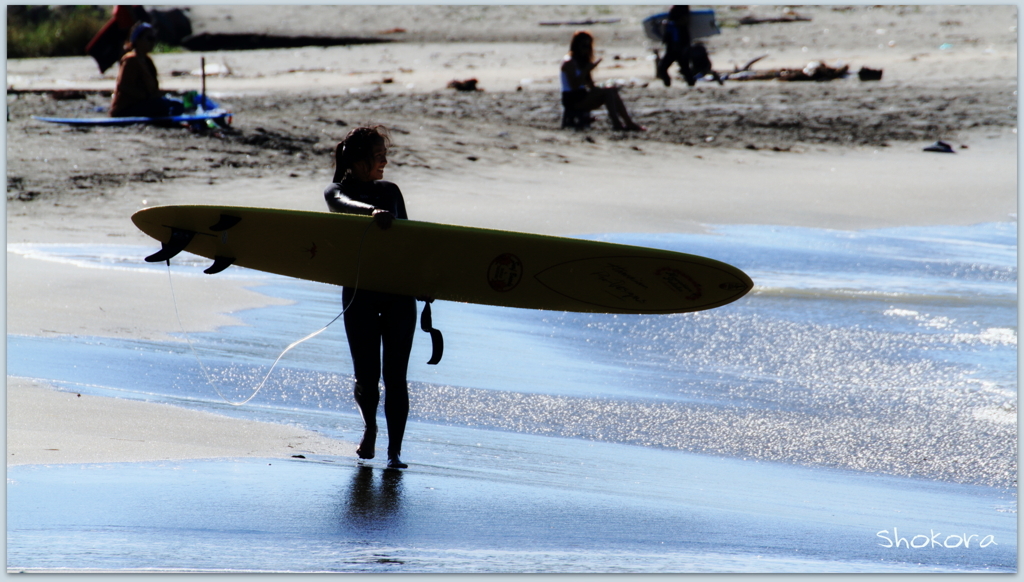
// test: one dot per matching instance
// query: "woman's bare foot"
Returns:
(367, 444)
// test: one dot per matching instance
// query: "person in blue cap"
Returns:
(137, 92)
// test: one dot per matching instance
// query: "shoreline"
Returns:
(496, 158)
(112, 308)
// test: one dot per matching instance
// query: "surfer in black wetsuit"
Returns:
(372, 319)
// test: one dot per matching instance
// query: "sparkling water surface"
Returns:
(887, 355)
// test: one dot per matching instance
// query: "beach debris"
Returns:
(338, 122)
(787, 17)
(621, 83)
(66, 95)
(466, 85)
(750, 63)
(212, 70)
(940, 147)
(817, 71)
(60, 94)
(866, 74)
(584, 22)
(209, 41)
(396, 30)
(812, 71)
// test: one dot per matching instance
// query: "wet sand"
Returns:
(532, 505)
(843, 155)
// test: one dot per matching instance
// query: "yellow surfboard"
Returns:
(454, 263)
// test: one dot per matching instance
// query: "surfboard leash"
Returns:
(436, 339)
(202, 367)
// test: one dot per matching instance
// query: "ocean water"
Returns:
(868, 384)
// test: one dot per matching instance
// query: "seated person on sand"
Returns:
(137, 92)
(578, 90)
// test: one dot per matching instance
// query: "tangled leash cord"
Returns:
(202, 367)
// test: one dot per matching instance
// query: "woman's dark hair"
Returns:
(358, 147)
(581, 47)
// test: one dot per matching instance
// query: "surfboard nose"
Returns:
(636, 284)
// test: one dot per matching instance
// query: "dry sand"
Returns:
(63, 427)
(844, 154)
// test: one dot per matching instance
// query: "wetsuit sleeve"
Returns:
(399, 203)
(339, 202)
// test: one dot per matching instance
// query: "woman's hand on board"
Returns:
(383, 218)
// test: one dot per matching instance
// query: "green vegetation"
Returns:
(52, 31)
(167, 48)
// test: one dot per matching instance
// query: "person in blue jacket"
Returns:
(374, 321)
(677, 45)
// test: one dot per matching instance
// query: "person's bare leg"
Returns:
(613, 113)
(602, 96)
(615, 101)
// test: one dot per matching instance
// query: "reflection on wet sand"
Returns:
(374, 505)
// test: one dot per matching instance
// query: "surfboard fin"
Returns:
(226, 221)
(179, 240)
(436, 339)
(219, 264)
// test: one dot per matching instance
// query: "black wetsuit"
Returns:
(376, 319)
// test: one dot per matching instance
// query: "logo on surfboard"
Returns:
(680, 282)
(505, 272)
